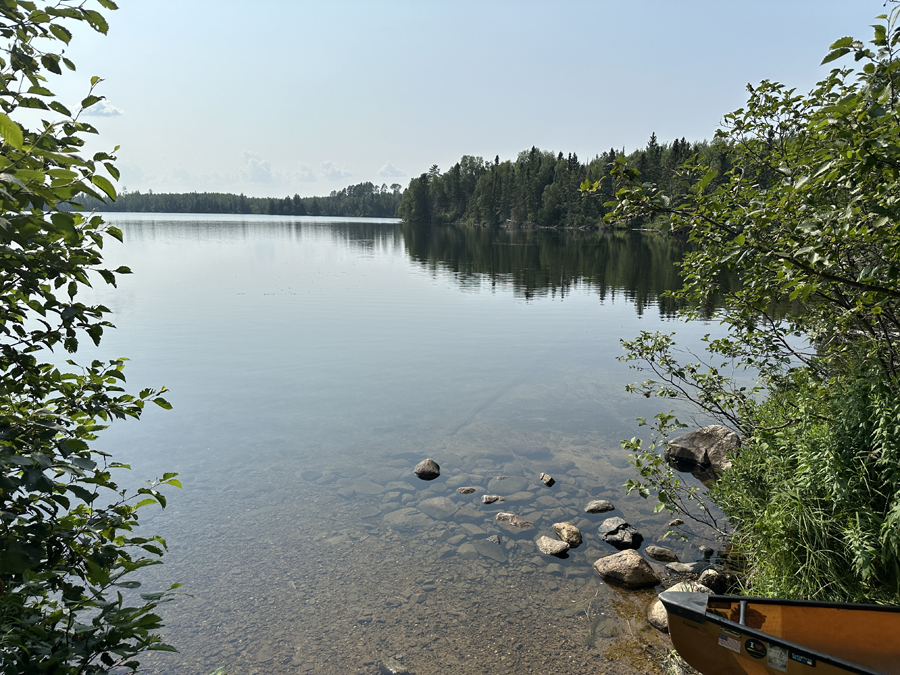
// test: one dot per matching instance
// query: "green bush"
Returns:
(68, 545)
(808, 221)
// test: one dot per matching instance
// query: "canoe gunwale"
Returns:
(685, 605)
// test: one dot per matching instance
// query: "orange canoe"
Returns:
(733, 635)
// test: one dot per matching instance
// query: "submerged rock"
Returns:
(441, 508)
(392, 667)
(688, 568)
(427, 469)
(513, 522)
(599, 506)
(465, 490)
(620, 534)
(661, 554)
(549, 546)
(627, 568)
(704, 453)
(568, 533)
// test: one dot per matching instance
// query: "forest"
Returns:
(544, 189)
(364, 200)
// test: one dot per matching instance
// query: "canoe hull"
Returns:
(717, 636)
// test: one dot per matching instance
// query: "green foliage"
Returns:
(806, 217)
(364, 200)
(67, 541)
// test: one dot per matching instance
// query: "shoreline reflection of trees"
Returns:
(636, 266)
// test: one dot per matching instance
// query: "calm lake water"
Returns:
(312, 363)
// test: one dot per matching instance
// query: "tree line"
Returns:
(365, 200)
(544, 189)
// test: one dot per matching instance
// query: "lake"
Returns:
(312, 364)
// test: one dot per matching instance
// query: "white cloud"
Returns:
(390, 171)
(256, 169)
(103, 109)
(335, 171)
(305, 173)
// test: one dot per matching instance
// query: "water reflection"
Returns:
(636, 266)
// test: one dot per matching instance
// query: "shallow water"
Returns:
(312, 364)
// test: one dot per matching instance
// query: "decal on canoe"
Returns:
(778, 658)
(755, 648)
(803, 658)
(729, 643)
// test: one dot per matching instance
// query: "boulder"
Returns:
(599, 506)
(704, 453)
(568, 533)
(627, 568)
(620, 534)
(661, 554)
(549, 546)
(427, 469)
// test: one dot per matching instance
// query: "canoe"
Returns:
(732, 635)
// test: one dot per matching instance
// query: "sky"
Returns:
(283, 97)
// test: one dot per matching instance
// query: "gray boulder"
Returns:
(620, 534)
(704, 453)
(427, 469)
(512, 522)
(627, 568)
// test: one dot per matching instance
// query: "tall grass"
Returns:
(816, 504)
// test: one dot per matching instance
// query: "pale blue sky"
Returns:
(278, 97)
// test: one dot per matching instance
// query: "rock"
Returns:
(494, 538)
(555, 569)
(407, 519)
(513, 522)
(704, 452)
(490, 549)
(465, 490)
(427, 469)
(547, 479)
(568, 533)
(549, 546)
(506, 485)
(721, 583)
(661, 554)
(441, 508)
(707, 552)
(522, 496)
(467, 551)
(675, 522)
(599, 506)
(391, 667)
(311, 475)
(620, 534)
(688, 568)
(690, 587)
(627, 568)
(657, 616)
(490, 499)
